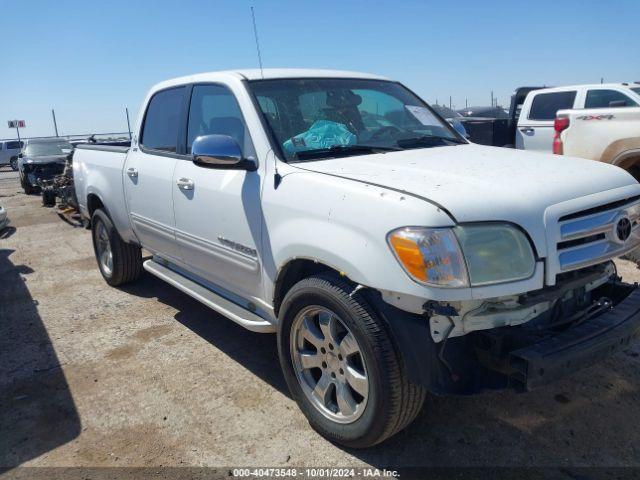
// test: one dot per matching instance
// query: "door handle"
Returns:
(185, 184)
(132, 172)
(527, 130)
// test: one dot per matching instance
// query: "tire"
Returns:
(48, 198)
(126, 259)
(28, 188)
(14, 163)
(391, 401)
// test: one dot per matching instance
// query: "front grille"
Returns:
(589, 236)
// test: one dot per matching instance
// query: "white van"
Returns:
(9, 151)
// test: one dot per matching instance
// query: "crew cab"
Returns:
(529, 124)
(391, 256)
(536, 121)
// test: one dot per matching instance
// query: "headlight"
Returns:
(495, 253)
(430, 255)
(466, 255)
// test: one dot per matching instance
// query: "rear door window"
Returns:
(162, 120)
(603, 98)
(545, 105)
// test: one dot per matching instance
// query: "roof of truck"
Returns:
(267, 73)
(588, 85)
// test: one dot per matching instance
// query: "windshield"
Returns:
(445, 111)
(42, 149)
(328, 117)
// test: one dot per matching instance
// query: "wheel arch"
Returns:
(93, 203)
(630, 161)
(293, 271)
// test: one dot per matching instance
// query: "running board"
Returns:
(240, 315)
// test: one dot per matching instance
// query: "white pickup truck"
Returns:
(535, 124)
(610, 135)
(391, 256)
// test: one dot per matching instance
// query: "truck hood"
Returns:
(475, 183)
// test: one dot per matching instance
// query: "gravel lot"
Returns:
(145, 376)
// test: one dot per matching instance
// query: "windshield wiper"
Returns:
(427, 140)
(339, 150)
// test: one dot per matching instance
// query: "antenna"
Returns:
(255, 33)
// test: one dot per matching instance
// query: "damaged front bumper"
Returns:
(577, 347)
(34, 173)
(532, 355)
(577, 323)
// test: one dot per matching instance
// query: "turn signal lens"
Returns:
(430, 255)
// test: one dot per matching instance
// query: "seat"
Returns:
(231, 126)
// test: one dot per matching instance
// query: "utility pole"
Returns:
(55, 125)
(449, 101)
(466, 104)
(492, 98)
(126, 110)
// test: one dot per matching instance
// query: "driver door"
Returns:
(217, 211)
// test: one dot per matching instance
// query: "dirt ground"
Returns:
(145, 376)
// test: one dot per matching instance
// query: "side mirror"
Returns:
(21, 155)
(617, 104)
(220, 151)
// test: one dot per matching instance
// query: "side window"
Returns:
(604, 99)
(161, 122)
(545, 105)
(214, 110)
(13, 145)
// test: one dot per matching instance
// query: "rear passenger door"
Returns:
(607, 98)
(148, 176)
(217, 211)
(535, 126)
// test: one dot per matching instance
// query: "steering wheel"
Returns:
(384, 131)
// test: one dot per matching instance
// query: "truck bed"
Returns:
(600, 133)
(98, 171)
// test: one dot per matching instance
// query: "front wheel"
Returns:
(14, 163)
(27, 187)
(342, 366)
(119, 262)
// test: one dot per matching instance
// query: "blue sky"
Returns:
(89, 60)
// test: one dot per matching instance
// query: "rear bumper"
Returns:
(578, 347)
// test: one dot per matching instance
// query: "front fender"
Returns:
(344, 225)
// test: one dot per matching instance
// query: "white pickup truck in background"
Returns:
(536, 122)
(610, 135)
(391, 256)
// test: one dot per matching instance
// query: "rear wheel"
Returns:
(341, 364)
(119, 262)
